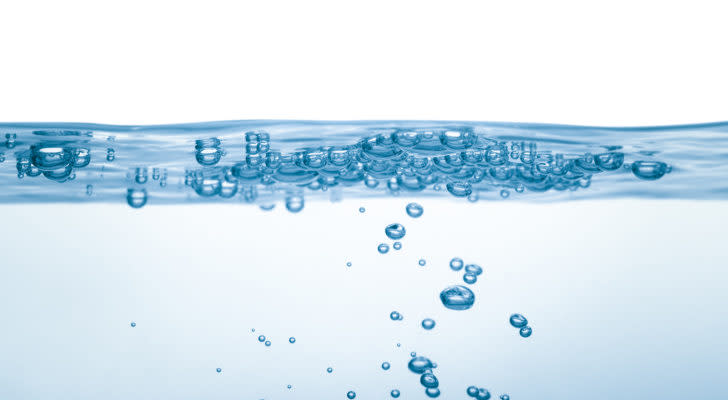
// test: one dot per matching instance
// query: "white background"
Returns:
(626, 297)
(578, 62)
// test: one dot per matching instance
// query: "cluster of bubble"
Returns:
(472, 271)
(395, 232)
(462, 161)
(520, 322)
(262, 339)
(55, 161)
(423, 367)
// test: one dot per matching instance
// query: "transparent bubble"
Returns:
(649, 170)
(414, 210)
(110, 154)
(261, 338)
(290, 386)
(419, 365)
(526, 331)
(413, 354)
(385, 365)
(428, 323)
(395, 316)
(505, 397)
(432, 392)
(395, 393)
(459, 189)
(429, 380)
(473, 269)
(292, 339)
(472, 391)
(483, 394)
(294, 204)
(422, 262)
(504, 193)
(218, 370)
(133, 324)
(329, 370)
(457, 297)
(267, 343)
(470, 278)
(456, 264)
(136, 198)
(383, 248)
(362, 209)
(395, 231)
(397, 245)
(518, 321)
(351, 394)
(348, 264)
(89, 190)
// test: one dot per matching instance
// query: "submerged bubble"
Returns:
(504, 194)
(457, 297)
(429, 380)
(261, 338)
(133, 324)
(362, 209)
(385, 365)
(428, 323)
(422, 262)
(483, 394)
(348, 264)
(505, 397)
(89, 190)
(289, 386)
(419, 365)
(351, 394)
(518, 321)
(432, 392)
(267, 343)
(526, 331)
(329, 370)
(394, 393)
(472, 391)
(473, 269)
(395, 316)
(456, 264)
(649, 170)
(459, 189)
(414, 210)
(395, 231)
(470, 278)
(292, 339)
(110, 154)
(413, 354)
(136, 198)
(397, 245)
(218, 370)
(383, 248)
(294, 204)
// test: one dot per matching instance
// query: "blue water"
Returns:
(290, 162)
(359, 260)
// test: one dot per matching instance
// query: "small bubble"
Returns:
(292, 339)
(218, 370)
(383, 248)
(362, 209)
(252, 330)
(473, 198)
(261, 338)
(470, 278)
(395, 316)
(289, 387)
(294, 204)
(394, 393)
(472, 391)
(473, 269)
(351, 394)
(397, 245)
(456, 264)
(133, 324)
(432, 392)
(414, 210)
(385, 365)
(329, 370)
(267, 343)
(136, 198)
(428, 323)
(649, 170)
(457, 297)
(526, 331)
(395, 231)
(483, 394)
(89, 190)
(348, 264)
(429, 380)
(504, 193)
(419, 365)
(518, 321)
(505, 397)
(413, 354)
(399, 344)
(422, 262)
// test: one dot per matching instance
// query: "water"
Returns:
(176, 228)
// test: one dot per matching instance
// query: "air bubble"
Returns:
(428, 323)
(457, 297)
(414, 210)
(395, 231)
(518, 321)
(456, 264)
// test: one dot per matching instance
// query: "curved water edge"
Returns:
(291, 162)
